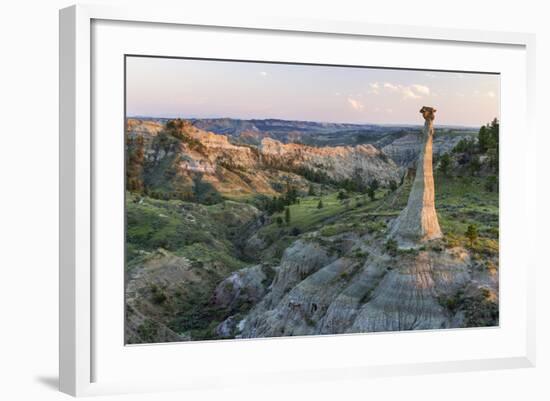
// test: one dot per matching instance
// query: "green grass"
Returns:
(177, 226)
(461, 201)
(202, 253)
(333, 218)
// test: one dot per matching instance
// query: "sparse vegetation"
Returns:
(445, 163)
(171, 216)
(372, 188)
(391, 247)
(471, 233)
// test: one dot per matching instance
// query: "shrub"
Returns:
(471, 233)
(491, 184)
(391, 247)
(445, 164)
(157, 295)
(342, 195)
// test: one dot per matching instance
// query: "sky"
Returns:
(186, 88)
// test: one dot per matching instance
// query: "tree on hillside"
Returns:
(134, 165)
(371, 189)
(492, 150)
(311, 190)
(475, 165)
(374, 184)
(320, 204)
(371, 193)
(471, 233)
(287, 215)
(342, 195)
(445, 164)
(488, 136)
(491, 184)
(494, 130)
(393, 185)
(493, 159)
(484, 139)
(357, 180)
(465, 145)
(291, 194)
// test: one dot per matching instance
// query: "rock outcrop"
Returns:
(245, 286)
(418, 221)
(404, 151)
(236, 169)
(410, 291)
(339, 162)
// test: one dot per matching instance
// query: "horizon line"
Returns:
(305, 121)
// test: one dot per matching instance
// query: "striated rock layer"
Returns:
(323, 294)
(237, 169)
(418, 221)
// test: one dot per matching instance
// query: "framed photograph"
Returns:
(273, 199)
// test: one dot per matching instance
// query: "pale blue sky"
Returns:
(164, 87)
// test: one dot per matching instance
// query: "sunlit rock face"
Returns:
(418, 221)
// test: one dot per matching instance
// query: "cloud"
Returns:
(414, 91)
(374, 88)
(421, 89)
(408, 93)
(355, 104)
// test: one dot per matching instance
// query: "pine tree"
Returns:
(342, 195)
(484, 138)
(445, 164)
(371, 189)
(471, 233)
(320, 204)
(287, 215)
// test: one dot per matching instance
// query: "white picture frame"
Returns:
(78, 161)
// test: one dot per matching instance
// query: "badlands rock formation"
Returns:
(418, 221)
(317, 293)
(405, 150)
(339, 162)
(240, 169)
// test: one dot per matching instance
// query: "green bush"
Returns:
(391, 247)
